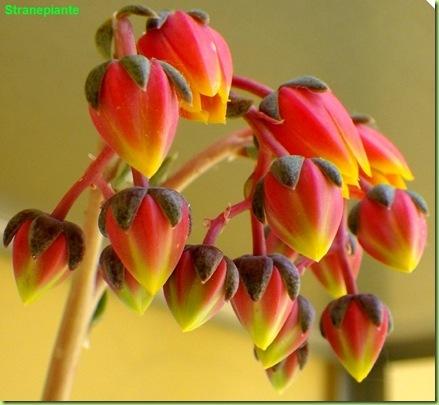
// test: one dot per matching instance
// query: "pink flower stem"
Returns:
(258, 234)
(250, 85)
(139, 179)
(348, 276)
(90, 175)
(264, 136)
(217, 225)
(106, 190)
(124, 39)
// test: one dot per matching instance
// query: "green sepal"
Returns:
(286, 170)
(308, 82)
(93, 84)
(124, 206)
(382, 194)
(170, 202)
(255, 273)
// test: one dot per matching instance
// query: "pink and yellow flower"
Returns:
(186, 41)
(134, 107)
(43, 252)
(266, 293)
(198, 288)
(388, 165)
(356, 327)
(310, 121)
(390, 225)
(148, 229)
(303, 203)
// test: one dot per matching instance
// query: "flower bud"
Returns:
(122, 283)
(282, 374)
(390, 225)
(202, 282)
(186, 41)
(387, 163)
(43, 251)
(266, 293)
(329, 270)
(148, 229)
(313, 122)
(303, 203)
(294, 333)
(134, 107)
(356, 327)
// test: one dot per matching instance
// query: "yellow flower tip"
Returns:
(359, 373)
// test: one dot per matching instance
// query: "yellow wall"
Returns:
(137, 358)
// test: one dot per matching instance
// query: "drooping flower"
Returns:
(310, 121)
(44, 250)
(186, 41)
(122, 283)
(303, 203)
(356, 327)
(294, 333)
(202, 282)
(148, 229)
(134, 106)
(390, 225)
(387, 163)
(266, 293)
(329, 270)
(281, 375)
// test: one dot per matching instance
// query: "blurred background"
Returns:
(377, 56)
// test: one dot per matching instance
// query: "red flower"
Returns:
(356, 327)
(268, 285)
(187, 42)
(387, 163)
(310, 121)
(135, 109)
(390, 225)
(303, 203)
(43, 251)
(148, 229)
(202, 282)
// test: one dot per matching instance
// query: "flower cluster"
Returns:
(312, 160)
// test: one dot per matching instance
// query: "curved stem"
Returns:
(76, 318)
(90, 175)
(216, 225)
(124, 39)
(106, 190)
(250, 85)
(204, 160)
(258, 234)
(342, 235)
(263, 134)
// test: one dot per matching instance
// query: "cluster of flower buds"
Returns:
(312, 156)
